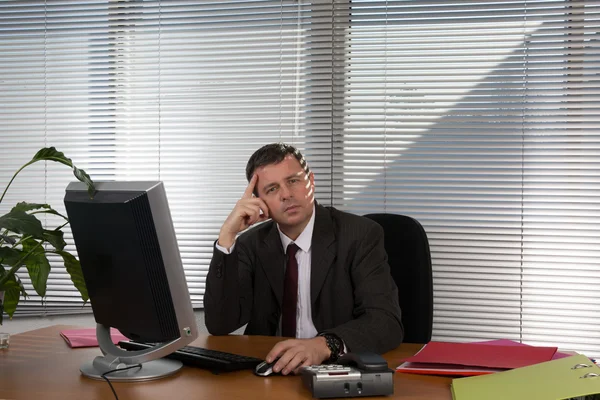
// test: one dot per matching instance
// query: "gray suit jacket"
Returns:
(352, 291)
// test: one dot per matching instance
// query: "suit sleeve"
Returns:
(228, 295)
(377, 322)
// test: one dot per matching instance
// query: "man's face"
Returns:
(288, 192)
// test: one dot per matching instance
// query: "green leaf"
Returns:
(37, 265)
(2, 273)
(11, 299)
(14, 288)
(85, 178)
(10, 256)
(21, 222)
(24, 206)
(46, 209)
(14, 282)
(51, 154)
(74, 269)
(55, 238)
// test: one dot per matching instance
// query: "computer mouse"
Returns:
(265, 369)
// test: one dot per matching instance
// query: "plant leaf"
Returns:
(10, 256)
(55, 238)
(4, 286)
(24, 206)
(74, 269)
(21, 222)
(46, 209)
(37, 265)
(14, 281)
(11, 299)
(14, 288)
(51, 154)
(85, 178)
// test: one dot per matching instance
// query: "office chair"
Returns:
(407, 247)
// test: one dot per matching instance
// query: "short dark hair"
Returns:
(273, 153)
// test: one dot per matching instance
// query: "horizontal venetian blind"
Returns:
(481, 120)
(182, 92)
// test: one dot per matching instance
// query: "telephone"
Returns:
(354, 375)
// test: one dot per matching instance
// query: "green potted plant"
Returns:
(24, 242)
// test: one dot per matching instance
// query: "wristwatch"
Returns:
(335, 345)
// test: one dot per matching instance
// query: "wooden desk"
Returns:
(40, 365)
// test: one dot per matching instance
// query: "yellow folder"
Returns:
(560, 379)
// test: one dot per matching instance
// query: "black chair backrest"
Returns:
(410, 263)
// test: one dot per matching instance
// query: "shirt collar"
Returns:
(305, 239)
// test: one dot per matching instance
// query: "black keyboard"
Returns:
(214, 360)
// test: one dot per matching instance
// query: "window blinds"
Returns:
(480, 119)
(182, 92)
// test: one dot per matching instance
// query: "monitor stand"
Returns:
(152, 365)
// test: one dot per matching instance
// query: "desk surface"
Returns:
(40, 365)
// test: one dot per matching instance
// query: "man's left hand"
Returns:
(294, 354)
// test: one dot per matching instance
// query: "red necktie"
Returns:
(290, 293)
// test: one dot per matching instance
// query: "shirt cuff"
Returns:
(224, 249)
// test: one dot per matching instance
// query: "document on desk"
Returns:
(468, 359)
(560, 379)
(86, 337)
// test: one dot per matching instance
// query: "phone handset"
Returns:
(365, 361)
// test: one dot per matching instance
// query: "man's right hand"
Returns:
(247, 212)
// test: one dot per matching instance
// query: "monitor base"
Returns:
(148, 371)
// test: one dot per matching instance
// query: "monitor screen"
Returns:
(130, 260)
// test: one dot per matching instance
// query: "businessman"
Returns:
(313, 273)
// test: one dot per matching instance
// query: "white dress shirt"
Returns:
(305, 328)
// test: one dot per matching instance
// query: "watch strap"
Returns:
(335, 345)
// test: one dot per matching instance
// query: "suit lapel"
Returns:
(323, 251)
(272, 260)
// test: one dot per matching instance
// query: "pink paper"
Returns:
(87, 337)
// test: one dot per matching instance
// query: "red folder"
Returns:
(467, 359)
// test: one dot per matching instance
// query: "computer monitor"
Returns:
(132, 268)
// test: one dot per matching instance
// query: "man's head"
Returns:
(285, 184)
(273, 153)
